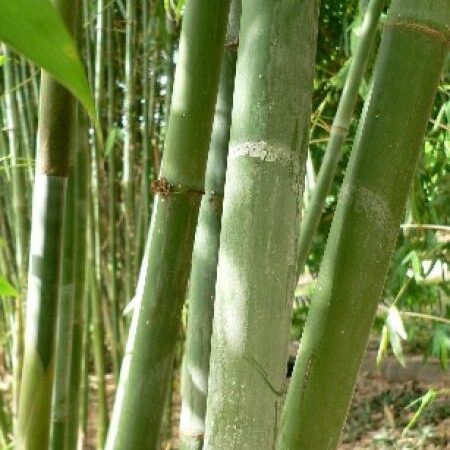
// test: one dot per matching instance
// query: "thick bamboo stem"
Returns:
(60, 400)
(202, 284)
(339, 131)
(366, 223)
(19, 224)
(162, 282)
(129, 148)
(80, 297)
(256, 274)
(52, 167)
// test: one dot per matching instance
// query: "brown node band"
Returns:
(420, 28)
(232, 45)
(197, 435)
(339, 130)
(214, 194)
(164, 188)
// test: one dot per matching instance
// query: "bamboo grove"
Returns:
(153, 229)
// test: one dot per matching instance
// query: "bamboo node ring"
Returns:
(421, 28)
(164, 188)
(232, 45)
(337, 129)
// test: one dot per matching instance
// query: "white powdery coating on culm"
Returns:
(263, 151)
(370, 203)
(266, 152)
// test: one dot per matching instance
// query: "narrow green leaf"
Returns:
(6, 288)
(440, 345)
(397, 333)
(416, 267)
(444, 353)
(395, 323)
(383, 345)
(111, 140)
(34, 29)
(424, 401)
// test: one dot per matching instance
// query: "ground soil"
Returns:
(379, 412)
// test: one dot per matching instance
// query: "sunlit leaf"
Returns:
(382, 349)
(34, 29)
(416, 266)
(395, 324)
(6, 288)
(397, 333)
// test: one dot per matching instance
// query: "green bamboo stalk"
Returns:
(169, 64)
(99, 53)
(128, 148)
(155, 135)
(19, 223)
(84, 382)
(112, 200)
(56, 106)
(97, 167)
(35, 81)
(79, 263)
(97, 336)
(147, 82)
(60, 399)
(97, 175)
(30, 107)
(25, 136)
(43, 284)
(366, 223)
(7, 322)
(256, 274)
(339, 131)
(87, 38)
(202, 284)
(147, 365)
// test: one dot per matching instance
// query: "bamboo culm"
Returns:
(339, 131)
(256, 274)
(163, 277)
(366, 223)
(52, 168)
(79, 263)
(60, 399)
(202, 283)
(20, 225)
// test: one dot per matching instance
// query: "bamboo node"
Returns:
(232, 45)
(337, 129)
(164, 188)
(161, 187)
(196, 435)
(421, 28)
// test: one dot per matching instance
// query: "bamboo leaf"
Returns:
(34, 29)
(424, 401)
(111, 140)
(397, 333)
(416, 266)
(383, 345)
(440, 345)
(395, 323)
(445, 342)
(6, 288)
